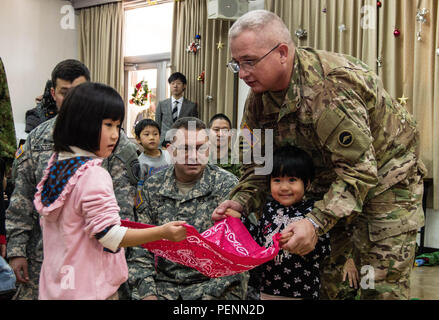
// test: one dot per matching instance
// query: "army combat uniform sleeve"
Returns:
(20, 218)
(252, 190)
(344, 133)
(142, 270)
(124, 169)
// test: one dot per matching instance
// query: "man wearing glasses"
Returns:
(190, 189)
(365, 147)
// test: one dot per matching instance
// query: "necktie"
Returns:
(175, 111)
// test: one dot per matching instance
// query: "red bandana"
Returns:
(223, 250)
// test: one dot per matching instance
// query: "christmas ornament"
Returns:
(209, 98)
(301, 33)
(141, 93)
(324, 10)
(396, 32)
(220, 45)
(420, 17)
(380, 61)
(379, 4)
(342, 28)
(195, 45)
(403, 100)
(201, 77)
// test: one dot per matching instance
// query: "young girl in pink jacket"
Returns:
(82, 236)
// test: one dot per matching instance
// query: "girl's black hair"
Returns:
(79, 121)
(292, 162)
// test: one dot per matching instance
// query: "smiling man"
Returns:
(190, 188)
(364, 144)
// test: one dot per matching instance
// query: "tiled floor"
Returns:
(425, 283)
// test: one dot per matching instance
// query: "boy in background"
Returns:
(154, 158)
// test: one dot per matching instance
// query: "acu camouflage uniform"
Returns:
(22, 220)
(160, 202)
(365, 147)
(234, 168)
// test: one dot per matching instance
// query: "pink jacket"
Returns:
(75, 265)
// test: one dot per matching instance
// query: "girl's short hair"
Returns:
(79, 121)
(292, 162)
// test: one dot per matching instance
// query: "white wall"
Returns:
(432, 229)
(33, 38)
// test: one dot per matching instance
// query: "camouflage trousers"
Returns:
(331, 273)
(383, 242)
(29, 290)
(392, 260)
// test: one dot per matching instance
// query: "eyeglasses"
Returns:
(187, 149)
(235, 66)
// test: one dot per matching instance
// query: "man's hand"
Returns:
(220, 211)
(351, 271)
(304, 237)
(19, 265)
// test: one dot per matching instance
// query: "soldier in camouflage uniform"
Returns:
(22, 223)
(220, 137)
(364, 144)
(190, 193)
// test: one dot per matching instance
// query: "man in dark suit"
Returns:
(169, 110)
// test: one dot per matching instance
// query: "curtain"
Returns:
(322, 19)
(101, 43)
(216, 94)
(411, 68)
(408, 67)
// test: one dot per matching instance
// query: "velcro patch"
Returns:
(139, 200)
(19, 152)
(247, 133)
(345, 138)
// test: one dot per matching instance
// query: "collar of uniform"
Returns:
(293, 96)
(287, 101)
(169, 187)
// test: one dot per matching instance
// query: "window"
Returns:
(148, 40)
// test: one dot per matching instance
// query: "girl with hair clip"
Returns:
(82, 236)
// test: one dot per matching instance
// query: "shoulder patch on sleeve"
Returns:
(342, 136)
(19, 152)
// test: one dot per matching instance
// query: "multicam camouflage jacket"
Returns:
(361, 140)
(160, 202)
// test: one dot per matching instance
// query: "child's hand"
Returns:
(285, 237)
(174, 231)
(233, 213)
(351, 271)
